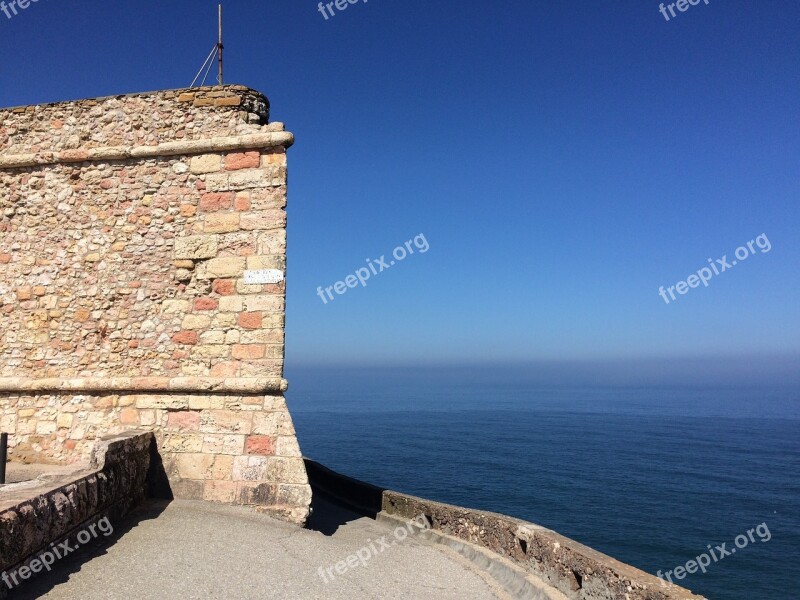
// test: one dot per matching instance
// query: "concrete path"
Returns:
(194, 550)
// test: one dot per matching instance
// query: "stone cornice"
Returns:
(93, 385)
(219, 144)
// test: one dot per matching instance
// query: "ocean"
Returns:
(649, 475)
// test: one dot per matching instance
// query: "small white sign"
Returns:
(263, 276)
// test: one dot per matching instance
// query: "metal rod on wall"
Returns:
(3, 456)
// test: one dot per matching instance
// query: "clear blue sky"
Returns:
(563, 160)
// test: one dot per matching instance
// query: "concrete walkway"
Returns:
(194, 550)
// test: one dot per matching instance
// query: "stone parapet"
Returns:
(34, 516)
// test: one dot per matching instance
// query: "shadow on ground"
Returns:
(337, 499)
(43, 583)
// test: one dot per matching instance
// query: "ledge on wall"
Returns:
(237, 385)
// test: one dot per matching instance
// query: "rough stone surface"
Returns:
(126, 226)
(32, 516)
(577, 571)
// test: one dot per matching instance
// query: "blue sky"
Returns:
(562, 159)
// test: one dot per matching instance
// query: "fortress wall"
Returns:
(128, 227)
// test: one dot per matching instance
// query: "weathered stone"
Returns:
(196, 247)
(207, 163)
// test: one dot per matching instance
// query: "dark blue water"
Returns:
(650, 476)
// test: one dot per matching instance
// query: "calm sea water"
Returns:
(650, 476)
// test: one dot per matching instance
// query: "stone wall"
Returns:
(37, 514)
(510, 550)
(127, 225)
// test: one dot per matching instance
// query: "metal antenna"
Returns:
(209, 61)
(220, 47)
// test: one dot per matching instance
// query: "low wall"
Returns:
(575, 570)
(34, 516)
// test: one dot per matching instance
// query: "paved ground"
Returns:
(194, 550)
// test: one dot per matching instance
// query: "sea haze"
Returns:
(649, 474)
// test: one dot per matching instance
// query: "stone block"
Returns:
(216, 268)
(196, 247)
(221, 223)
(226, 421)
(205, 163)
(272, 424)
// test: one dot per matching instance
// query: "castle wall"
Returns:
(131, 230)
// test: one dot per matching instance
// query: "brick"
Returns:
(210, 351)
(225, 369)
(218, 268)
(294, 494)
(262, 220)
(196, 247)
(206, 403)
(182, 442)
(129, 416)
(248, 352)
(222, 492)
(168, 402)
(206, 163)
(196, 321)
(215, 202)
(273, 423)
(213, 337)
(224, 287)
(187, 338)
(231, 304)
(250, 320)
(286, 470)
(224, 443)
(193, 465)
(287, 446)
(272, 303)
(262, 368)
(259, 494)
(260, 444)
(221, 223)
(242, 160)
(206, 304)
(224, 320)
(186, 489)
(263, 336)
(64, 421)
(228, 101)
(266, 262)
(189, 420)
(226, 421)
(242, 202)
(274, 159)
